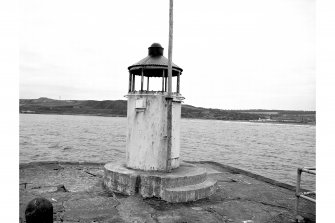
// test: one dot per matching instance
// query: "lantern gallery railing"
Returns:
(305, 195)
(152, 92)
(176, 95)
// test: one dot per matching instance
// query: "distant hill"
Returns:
(119, 108)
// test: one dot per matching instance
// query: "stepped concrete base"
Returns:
(190, 192)
(185, 183)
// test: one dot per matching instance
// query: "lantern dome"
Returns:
(153, 64)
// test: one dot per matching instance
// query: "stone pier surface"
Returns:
(77, 193)
(185, 183)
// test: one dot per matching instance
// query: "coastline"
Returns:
(124, 116)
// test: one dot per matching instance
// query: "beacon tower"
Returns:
(147, 111)
(145, 170)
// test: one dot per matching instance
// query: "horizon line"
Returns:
(239, 109)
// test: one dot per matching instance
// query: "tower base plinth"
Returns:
(185, 183)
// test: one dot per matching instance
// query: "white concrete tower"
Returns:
(146, 147)
(147, 170)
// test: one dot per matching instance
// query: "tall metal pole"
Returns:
(169, 97)
(170, 49)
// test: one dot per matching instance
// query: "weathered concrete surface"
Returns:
(183, 184)
(191, 192)
(147, 131)
(237, 199)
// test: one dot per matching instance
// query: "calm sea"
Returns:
(271, 150)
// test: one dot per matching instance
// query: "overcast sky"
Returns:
(236, 54)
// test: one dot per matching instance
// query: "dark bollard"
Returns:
(39, 210)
